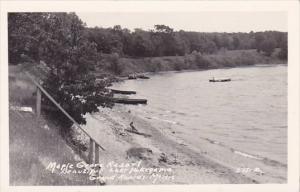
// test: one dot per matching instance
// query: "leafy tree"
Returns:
(115, 65)
(106, 40)
(259, 38)
(163, 29)
(283, 45)
(142, 46)
(202, 63)
(24, 36)
(236, 42)
(268, 46)
(70, 59)
(165, 41)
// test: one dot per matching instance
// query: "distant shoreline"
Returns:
(242, 66)
(196, 70)
(192, 62)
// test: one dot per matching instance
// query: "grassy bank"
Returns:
(35, 142)
(194, 61)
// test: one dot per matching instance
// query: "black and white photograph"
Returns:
(123, 98)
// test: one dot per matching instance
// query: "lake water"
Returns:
(248, 114)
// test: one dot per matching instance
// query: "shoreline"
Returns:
(232, 159)
(191, 164)
(123, 78)
(195, 62)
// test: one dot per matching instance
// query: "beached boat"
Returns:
(219, 80)
(135, 76)
(142, 76)
(132, 76)
(123, 92)
(130, 101)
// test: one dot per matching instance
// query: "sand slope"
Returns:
(190, 164)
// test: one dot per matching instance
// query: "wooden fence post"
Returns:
(38, 102)
(41, 90)
(91, 151)
(96, 153)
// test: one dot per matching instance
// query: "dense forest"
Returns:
(69, 51)
(27, 30)
(164, 41)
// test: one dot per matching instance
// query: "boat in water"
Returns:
(219, 80)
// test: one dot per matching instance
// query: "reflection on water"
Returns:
(248, 114)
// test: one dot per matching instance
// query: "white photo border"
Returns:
(290, 7)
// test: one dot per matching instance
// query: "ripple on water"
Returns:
(252, 107)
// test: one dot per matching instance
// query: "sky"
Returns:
(191, 21)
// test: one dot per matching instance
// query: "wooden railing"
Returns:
(93, 156)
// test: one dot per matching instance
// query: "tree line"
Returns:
(164, 41)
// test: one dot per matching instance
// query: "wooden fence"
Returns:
(93, 155)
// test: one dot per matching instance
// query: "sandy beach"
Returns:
(161, 147)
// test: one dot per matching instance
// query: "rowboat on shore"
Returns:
(142, 76)
(219, 80)
(132, 76)
(122, 92)
(135, 76)
(130, 101)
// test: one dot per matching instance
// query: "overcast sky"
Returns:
(200, 21)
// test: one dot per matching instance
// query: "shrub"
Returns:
(201, 61)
